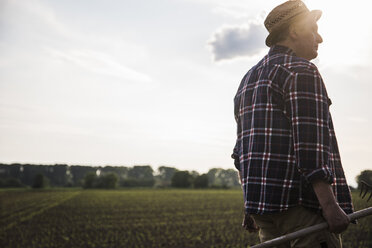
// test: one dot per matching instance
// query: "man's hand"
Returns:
(249, 224)
(336, 218)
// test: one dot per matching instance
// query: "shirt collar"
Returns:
(281, 49)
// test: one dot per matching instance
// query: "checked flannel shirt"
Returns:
(285, 136)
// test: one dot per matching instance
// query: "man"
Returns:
(286, 150)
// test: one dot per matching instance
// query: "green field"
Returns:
(136, 218)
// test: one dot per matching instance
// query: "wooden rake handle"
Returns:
(309, 230)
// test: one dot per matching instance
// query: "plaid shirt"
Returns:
(285, 135)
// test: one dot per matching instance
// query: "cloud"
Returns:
(230, 42)
(231, 9)
(100, 63)
(32, 18)
(33, 27)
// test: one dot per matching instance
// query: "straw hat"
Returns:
(282, 15)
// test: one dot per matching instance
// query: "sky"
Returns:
(140, 82)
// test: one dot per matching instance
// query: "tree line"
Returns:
(62, 175)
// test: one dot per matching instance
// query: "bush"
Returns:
(90, 180)
(181, 179)
(201, 181)
(106, 181)
(40, 181)
(10, 183)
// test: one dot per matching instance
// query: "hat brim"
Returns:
(316, 14)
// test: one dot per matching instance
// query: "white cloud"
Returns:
(24, 16)
(242, 7)
(100, 63)
(236, 41)
(232, 9)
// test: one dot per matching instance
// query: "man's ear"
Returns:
(293, 31)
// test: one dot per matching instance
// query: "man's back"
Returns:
(285, 135)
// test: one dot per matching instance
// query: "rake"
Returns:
(364, 189)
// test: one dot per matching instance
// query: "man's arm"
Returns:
(307, 105)
(307, 108)
(336, 218)
(248, 222)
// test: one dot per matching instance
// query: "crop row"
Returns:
(143, 218)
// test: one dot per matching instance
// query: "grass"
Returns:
(135, 218)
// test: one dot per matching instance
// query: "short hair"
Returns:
(281, 34)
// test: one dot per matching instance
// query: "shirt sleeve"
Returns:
(306, 104)
(236, 151)
(235, 156)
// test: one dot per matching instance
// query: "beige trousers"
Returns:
(294, 219)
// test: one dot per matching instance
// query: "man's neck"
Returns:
(288, 44)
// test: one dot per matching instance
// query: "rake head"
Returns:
(364, 189)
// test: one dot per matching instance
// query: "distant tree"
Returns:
(28, 174)
(40, 181)
(230, 177)
(365, 176)
(182, 179)
(109, 180)
(69, 181)
(90, 180)
(165, 175)
(139, 176)
(30, 171)
(201, 181)
(11, 173)
(194, 173)
(105, 181)
(213, 175)
(78, 173)
(120, 171)
(141, 172)
(219, 177)
(58, 174)
(11, 182)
